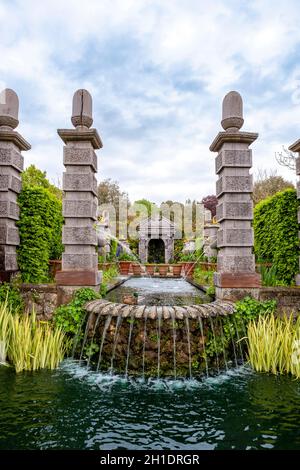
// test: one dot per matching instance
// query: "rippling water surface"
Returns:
(153, 291)
(74, 408)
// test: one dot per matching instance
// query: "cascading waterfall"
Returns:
(115, 342)
(107, 323)
(174, 344)
(144, 346)
(160, 341)
(203, 342)
(215, 343)
(129, 343)
(189, 345)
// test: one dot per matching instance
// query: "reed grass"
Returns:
(274, 344)
(30, 344)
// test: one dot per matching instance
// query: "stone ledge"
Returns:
(104, 307)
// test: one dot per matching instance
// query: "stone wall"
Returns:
(287, 298)
(43, 298)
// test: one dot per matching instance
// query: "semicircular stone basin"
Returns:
(164, 340)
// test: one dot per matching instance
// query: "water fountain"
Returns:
(159, 341)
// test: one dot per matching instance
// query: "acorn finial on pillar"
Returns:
(9, 108)
(232, 112)
(82, 111)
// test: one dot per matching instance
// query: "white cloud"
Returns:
(158, 72)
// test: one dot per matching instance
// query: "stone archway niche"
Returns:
(153, 228)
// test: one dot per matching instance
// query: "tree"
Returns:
(210, 202)
(109, 192)
(268, 183)
(150, 206)
(33, 177)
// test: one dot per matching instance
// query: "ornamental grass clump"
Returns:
(274, 345)
(30, 344)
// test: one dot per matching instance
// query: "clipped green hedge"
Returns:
(276, 234)
(40, 228)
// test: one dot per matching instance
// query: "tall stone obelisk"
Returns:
(236, 276)
(11, 167)
(80, 258)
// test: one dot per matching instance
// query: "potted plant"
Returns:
(163, 269)
(125, 262)
(137, 269)
(150, 268)
(177, 268)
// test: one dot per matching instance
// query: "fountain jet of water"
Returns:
(189, 345)
(106, 325)
(158, 343)
(203, 343)
(116, 337)
(215, 343)
(128, 346)
(144, 344)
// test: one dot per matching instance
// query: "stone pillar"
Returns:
(210, 240)
(143, 250)
(295, 147)
(80, 258)
(236, 276)
(11, 167)
(169, 249)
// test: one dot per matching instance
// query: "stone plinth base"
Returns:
(5, 276)
(65, 293)
(78, 278)
(234, 294)
(297, 280)
(237, 280)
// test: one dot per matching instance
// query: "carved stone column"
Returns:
(11, 167)
(80, 258)
(236, 276)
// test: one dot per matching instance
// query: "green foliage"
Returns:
(33, 177)
(71, 317)
(204, 278)
(234, 327)
(127, 257)
(30, 344)
(196, 255)
(40, 228)
(269, 276)
(276, 234)
(211, 291)
(113, 249)
(273, 345)
(10, 294)
(178, 247)
(110, 274)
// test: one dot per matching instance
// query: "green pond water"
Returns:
(74, 408)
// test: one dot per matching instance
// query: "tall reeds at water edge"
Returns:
(29, 344)
(274, 345)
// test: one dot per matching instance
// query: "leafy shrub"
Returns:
(110, 274)
(204, 278)
(235, 326)
(29, 344)
(40, 228)
(273, 345)
(71, 317)
(10, 294)
(127, 257)
(276, 234)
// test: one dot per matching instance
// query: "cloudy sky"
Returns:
(158, 71)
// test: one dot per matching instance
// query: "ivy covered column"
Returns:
(295, 147)
(236, 274)
(11, 167)
(80, 258)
